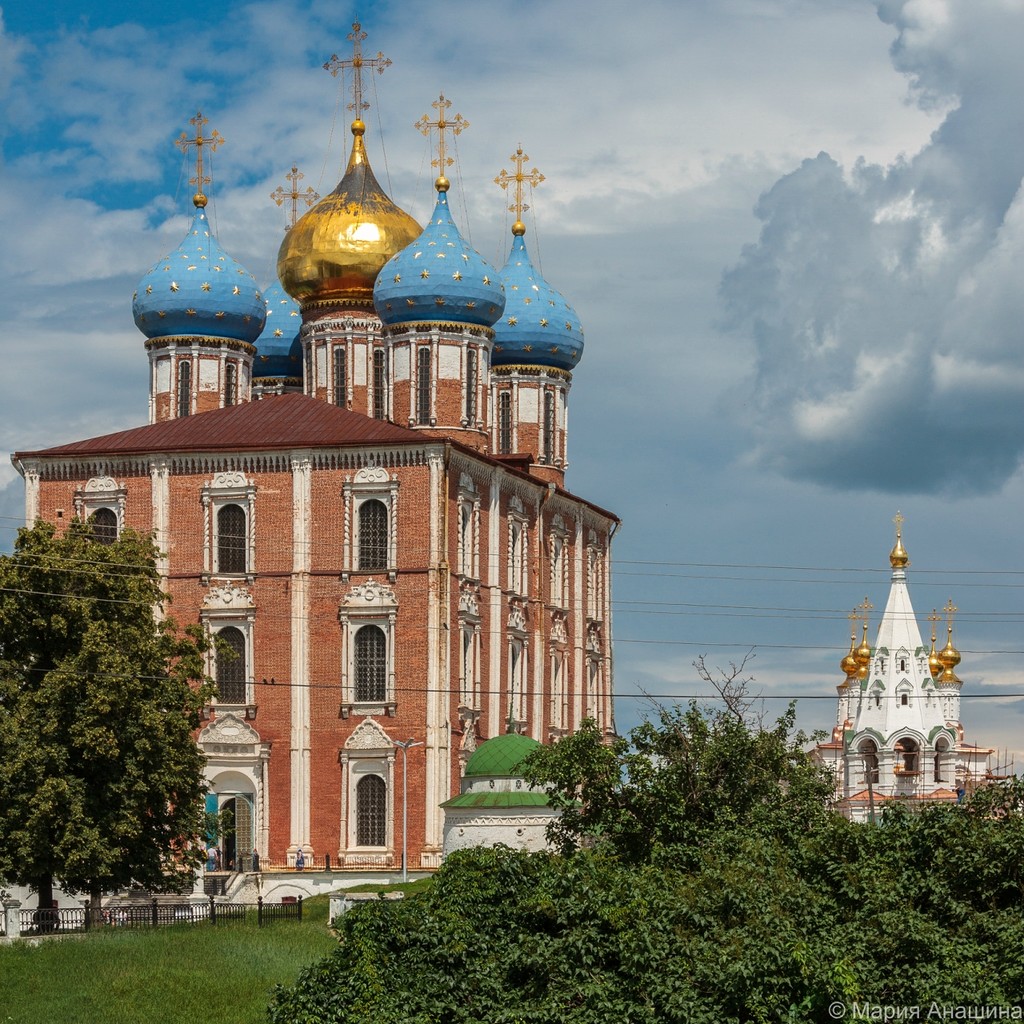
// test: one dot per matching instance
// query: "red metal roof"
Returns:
(280, 421)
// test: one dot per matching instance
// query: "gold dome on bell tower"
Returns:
(331, 256)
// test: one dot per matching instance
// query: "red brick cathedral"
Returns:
(359, 486)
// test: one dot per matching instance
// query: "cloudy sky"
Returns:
(792, 229)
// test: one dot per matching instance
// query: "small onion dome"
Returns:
(199, 290)
(538, 326)
(501, 755)
(439, 277)
(950, 658)
(898, 557)
(863, 655)
(849, 664)
(935, 665)
(334, 252)
(278, 348)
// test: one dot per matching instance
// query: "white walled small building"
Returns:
(496, 806)
(898, 733)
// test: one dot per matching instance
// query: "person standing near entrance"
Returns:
(300, 859)
(255, 860)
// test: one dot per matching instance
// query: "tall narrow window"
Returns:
(549, 427)
(380, 381)
(230, 384)
(104, 526)
(423, 386)
(340, 382)
(471, 357)
(231, 672)
(373, 535)
(231, 539)
(371, 811)
(504, 423)
(184, 387)
(371, 665)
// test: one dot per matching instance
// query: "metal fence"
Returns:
(156, 914)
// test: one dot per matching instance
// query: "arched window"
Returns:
(184, 387)
(423, 386)
(371, 665)
(380, 383)
(549, 427)
(373, 535)
(104, 526)
(869, 752)
(231, 674)
(471, 357)
(504, 423)
(904, 699)
(340, 379)
(371, 811)
(231, 539)
(230, 384)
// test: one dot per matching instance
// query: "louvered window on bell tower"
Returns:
(380, 383)
(371, 665)
(471, 357)
(184, 388)
(373, 535)
(504, 423)
(231, 672)
(371, 811)
(549, 427)
(340, 383)
(423, 386)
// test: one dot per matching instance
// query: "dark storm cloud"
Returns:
(884, 302)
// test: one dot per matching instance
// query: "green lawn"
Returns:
(187, 973)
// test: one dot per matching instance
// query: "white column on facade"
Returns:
(160, 483)
(535, 581)
(579, 626)
(299, 740)
(607, 702)
(496, 640)
(31, 495)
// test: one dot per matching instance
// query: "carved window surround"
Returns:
(369, 604)
(371, 483)
(232, 605)
(228, 489)
(368, 751)
(101, 492)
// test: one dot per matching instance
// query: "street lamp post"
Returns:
(404, 747)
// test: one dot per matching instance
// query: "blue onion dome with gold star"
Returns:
(538, 327)
(332, 254)
(278, 348)
(199, 290)
(440, 277)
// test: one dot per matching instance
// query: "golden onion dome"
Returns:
(898, 557)
(935, 665)
(950, 658)
(331, 256)
(849, 663)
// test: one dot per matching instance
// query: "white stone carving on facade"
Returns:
(558, 631)
(224, 481)
(228, 728)
(372, 475)
(517, 617)
(369, 735)
(228, 596)
(594, 638)
(100, 485)
(370, 594)
(469, 599)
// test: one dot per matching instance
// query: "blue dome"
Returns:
(538, 327)
(278, 349)
(199, 290)
(439, 277)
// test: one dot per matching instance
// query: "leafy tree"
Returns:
(101, 781)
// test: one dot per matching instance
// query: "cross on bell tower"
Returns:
(184, 143)
(456, 125)
(504, 179)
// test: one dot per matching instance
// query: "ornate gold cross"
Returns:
(865, 606)
(184, 143)
(357, 62)
(933, 618)
(532, 179)
(950, 610)
(309, 197)
(455, 125)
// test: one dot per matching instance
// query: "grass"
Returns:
(186, 973)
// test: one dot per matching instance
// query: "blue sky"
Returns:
(792, 230)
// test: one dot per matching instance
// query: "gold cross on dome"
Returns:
(455, 125)
(933, 618)
(532, 179)
(864, 607)
(950, 610)
(184, 143)
(899, 520)
(357, 62)
(309, 197)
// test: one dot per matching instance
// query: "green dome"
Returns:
(500, 755)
